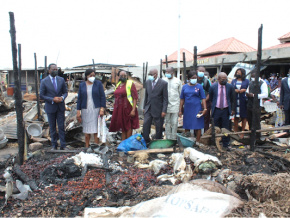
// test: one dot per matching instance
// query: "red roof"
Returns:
(287, 35)
(283, 45)
(230, 45)
(173, 57)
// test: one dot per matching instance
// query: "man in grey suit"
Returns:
(53, 90)
(155, 104)
(285, 98)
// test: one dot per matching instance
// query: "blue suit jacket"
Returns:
(230, 91)
(47, 93)
(97, 93)
(285, 94)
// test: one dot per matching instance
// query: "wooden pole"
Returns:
(26, 81)
(94, 65)
(144, 78)
(36, 87)
(195, 58)
(160, 68)
(45, 67)
(17, 91)
(146, 69)
(256, 104)
(166, 61)
(184, 68)
(19, 64)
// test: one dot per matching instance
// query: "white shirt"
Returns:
(264, 91)
(174, 91)
(155, 81)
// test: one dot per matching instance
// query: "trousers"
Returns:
(171, 124)
(148, 118)
(58, 117)
(221, 120)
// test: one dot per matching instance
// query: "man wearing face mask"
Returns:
(205, 82)
(53, 91)
(222, 97)
(174, 91)
(155, 104)
(263, 93)
(285, 98)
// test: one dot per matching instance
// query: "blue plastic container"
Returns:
(186, 142)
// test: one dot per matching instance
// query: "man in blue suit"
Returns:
(53, 91)
(285, 98)
(222, 96)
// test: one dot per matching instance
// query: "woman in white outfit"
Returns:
(91, 103)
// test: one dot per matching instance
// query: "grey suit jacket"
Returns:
(285, 94)
(157, 99)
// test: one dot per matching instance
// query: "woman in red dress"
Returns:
(125, 116)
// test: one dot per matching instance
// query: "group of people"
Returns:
(165, 100)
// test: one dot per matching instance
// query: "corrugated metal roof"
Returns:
(230, 45)
(173, 57)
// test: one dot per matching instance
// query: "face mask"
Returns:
(151, 77)
(200, 74)
(193, 81)
(123, 79)
(224, 82)
(271, 78)
(91, 79)
(53, 73)
(239, 76)
(252, 78)
(168, 75)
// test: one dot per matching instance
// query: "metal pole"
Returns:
(17, 95)
(256, 104)
(36, 87)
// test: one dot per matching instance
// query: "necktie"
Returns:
(54, 83)
(153, 84)
(222, 98)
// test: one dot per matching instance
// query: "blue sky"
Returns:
(73, 33)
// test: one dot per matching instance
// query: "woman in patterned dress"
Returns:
(91, 103)
(240, 84)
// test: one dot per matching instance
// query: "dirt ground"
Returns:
(261, 180)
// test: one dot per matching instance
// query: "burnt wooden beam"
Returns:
(166, 61)
(45, 67)
(19, 64)
(160, 68)
(184, 68)
(256, 104)
(24, 177)
(195, 58)
(36, 77)
(17, 93)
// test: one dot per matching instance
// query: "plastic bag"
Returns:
(178, 162)
(133, 143)
(102, 128)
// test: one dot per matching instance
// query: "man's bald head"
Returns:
(222, 78)
(154, 73)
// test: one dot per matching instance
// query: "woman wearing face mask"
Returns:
(240, 83)
(91, 103)
(193, 99)
(125, 115)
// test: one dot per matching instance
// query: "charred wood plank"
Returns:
(24, 177)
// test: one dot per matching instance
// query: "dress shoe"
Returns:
(53, 148)
(63, 148)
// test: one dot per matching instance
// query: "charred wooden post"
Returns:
(160, 68)
(45, 67)
(222, 64)
(94, 65)
(195, 58)
(256, 104)
(19, 64)
(17, 95)
(144, 77)
(184, 68)
(24, 177)
(36, 87)
(166, 61)
(146, 69)
(213, 133)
